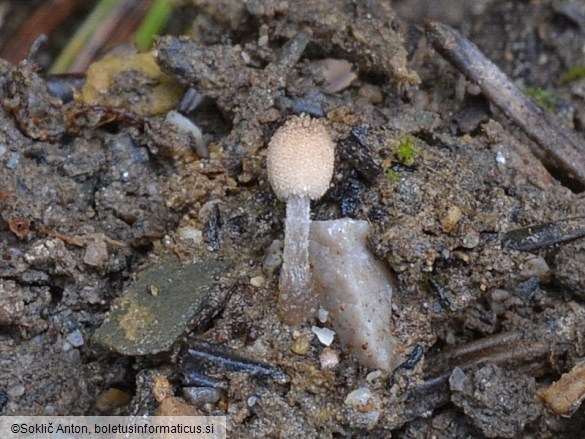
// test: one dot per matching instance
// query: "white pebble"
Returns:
(323, 315)
(263, 40)
(199, 396)
(325, 335)
(359, 397)
(273, 257)
(257, 281)
(75, 338)
(328, 359)
(16, 390)
(373, 375)
(186, 125)
(191, 234)
(355, 287)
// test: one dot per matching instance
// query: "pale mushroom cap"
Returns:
(300, 158)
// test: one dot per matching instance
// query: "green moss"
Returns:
(406, 153)
(545, 98)
(392, 174)
(574, 73)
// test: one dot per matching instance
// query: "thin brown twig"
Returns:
(116, 28)
(512, 349)
(563, 147)
(46, 19)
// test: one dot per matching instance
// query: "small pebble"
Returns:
(38, 340)
(73, 356)
(536, 267)
(462, 256)
(451, 219)
(111, 399)
(328, 359)
(152, 189)
(372, 94)
(263, 40)
(71, 323)
(458, 381)
(374, 375)
(358, 398)
(90, 295)
(500, 295)
(75, 338)
(49, 410)
(273, 258)
(96, 253)
(473, 89)
(325, 335)
(173, 406)
(338, 74)
(471, 239)
(259, 349)
(301, 346)
(188, 126)
(257, 281)
(153, 290)
(311, 103)
(199, 396)
(17, 390)
(162, 388)
(191, 234)
(13, 160)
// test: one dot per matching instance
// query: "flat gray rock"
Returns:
(165, 301)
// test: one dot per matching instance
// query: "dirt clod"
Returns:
(94, 200)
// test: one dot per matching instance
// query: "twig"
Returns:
(108, 19)
(545, 235)
(48, 18)
(564, 148)
(291, 52)
(509, 349)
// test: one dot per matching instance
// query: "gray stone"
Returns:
(142, 323)
(355, 288)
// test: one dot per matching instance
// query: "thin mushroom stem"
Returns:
(296, 303)
(300, 166)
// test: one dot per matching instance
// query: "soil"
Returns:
(100, 210)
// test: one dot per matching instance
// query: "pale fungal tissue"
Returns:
(355, 288)
(345, 278)
(300, 166)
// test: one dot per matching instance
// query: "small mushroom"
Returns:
(300, 167)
